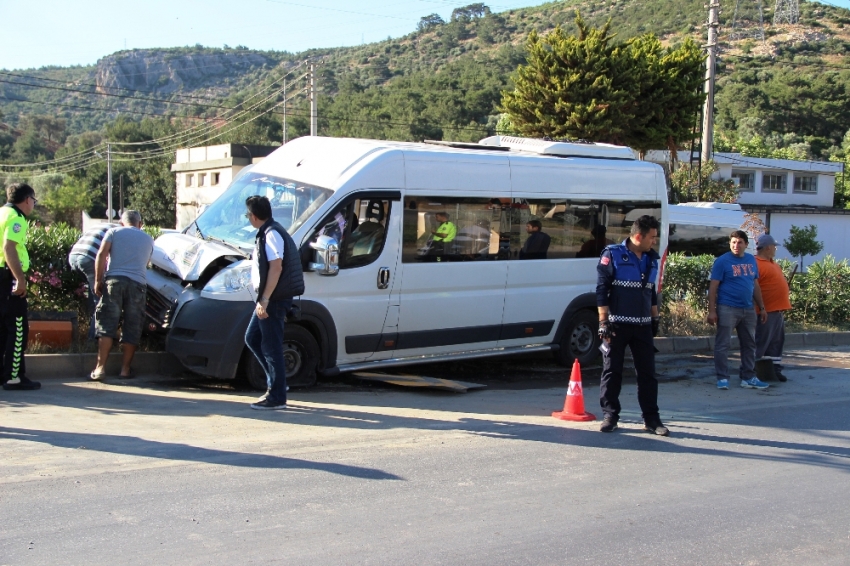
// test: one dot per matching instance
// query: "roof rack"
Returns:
(467, 145)
(580, 148)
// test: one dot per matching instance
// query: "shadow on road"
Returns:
(134, 446)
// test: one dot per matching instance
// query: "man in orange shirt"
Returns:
(770, 335)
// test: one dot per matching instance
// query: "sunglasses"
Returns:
(34, 200)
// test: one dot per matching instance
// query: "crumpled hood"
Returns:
(187, 256)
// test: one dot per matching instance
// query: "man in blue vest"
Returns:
(628, 316)
(277, 277)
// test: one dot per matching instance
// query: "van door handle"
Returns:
(383, 278)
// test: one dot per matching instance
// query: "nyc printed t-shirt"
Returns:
(737, 277)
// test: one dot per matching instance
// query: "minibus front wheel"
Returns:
(300, 352)
(580, 340)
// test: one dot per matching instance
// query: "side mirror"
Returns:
(326, 254)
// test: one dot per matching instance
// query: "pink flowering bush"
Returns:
(52, 285)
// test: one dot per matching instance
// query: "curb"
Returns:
(681, 344)
(42, 366)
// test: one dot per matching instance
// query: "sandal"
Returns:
(130, 375)
(97, 375)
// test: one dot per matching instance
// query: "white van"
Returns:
(381, 289)
(698, 228)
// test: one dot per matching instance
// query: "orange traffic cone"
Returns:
(574, 403)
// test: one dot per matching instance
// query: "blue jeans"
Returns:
(85, 265)
(264, 338)
(744, 322)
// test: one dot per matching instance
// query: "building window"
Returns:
(805, 184)
(214, 178)
(190, 179)
(746, 180)
(773, 183)
(202, 179)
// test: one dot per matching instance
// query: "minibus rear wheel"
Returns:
(300, 352)
(580, 340)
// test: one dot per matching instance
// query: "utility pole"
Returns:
(121, 193)
(109, 182)
(707, 143)
(284, 112)
(314, 113)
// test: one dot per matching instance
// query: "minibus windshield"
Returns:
(292, 204)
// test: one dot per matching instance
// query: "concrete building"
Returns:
(203, 173)
(785, 193)
(779, 182)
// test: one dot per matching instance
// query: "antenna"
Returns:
(786, 12)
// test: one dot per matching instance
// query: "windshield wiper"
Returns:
(229, 245)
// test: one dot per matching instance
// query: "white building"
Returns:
(202, 174)
(779, 182)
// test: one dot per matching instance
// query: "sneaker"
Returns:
(609, 424)
(268, 405)
(21, 384)
(656, 427)
(723, 384)
(754, 383)
(779, 375)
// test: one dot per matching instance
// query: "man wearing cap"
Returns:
(770, 335)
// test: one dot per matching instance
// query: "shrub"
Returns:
(822, 294)
(686, 280)
(52, 284)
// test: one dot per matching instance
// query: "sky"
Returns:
(37, 33)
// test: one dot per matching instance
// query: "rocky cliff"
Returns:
(167, 71)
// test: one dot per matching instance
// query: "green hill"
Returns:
(444, 80)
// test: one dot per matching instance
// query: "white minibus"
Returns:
(383, 287)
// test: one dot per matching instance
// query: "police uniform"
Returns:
(626, 285)
(14, 328)
(441, 242)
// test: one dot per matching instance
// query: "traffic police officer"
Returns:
(444, 234)
(14, 263)
(628, 316)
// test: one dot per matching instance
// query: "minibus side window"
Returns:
(571, 228)
(696, 240)
(360, 228)
(440, 229)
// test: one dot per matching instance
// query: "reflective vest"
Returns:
(13, 226)
(626, 284)
(448, 229)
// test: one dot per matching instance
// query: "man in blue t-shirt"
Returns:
(733, 288)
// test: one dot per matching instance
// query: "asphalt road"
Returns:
(165, 471)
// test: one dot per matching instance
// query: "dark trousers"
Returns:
(264, 338)
(85, 265)
(14, 330)
(639, 339)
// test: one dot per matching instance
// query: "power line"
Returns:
(122, 110)
(78, 83)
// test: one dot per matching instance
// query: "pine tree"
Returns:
(588, 87)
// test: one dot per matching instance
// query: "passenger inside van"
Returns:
(537, 244)
(594, 247)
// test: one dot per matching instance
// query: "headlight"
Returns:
(234, 278)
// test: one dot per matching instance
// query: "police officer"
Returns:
(14, 263)
(628, 316)
(445, 233)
